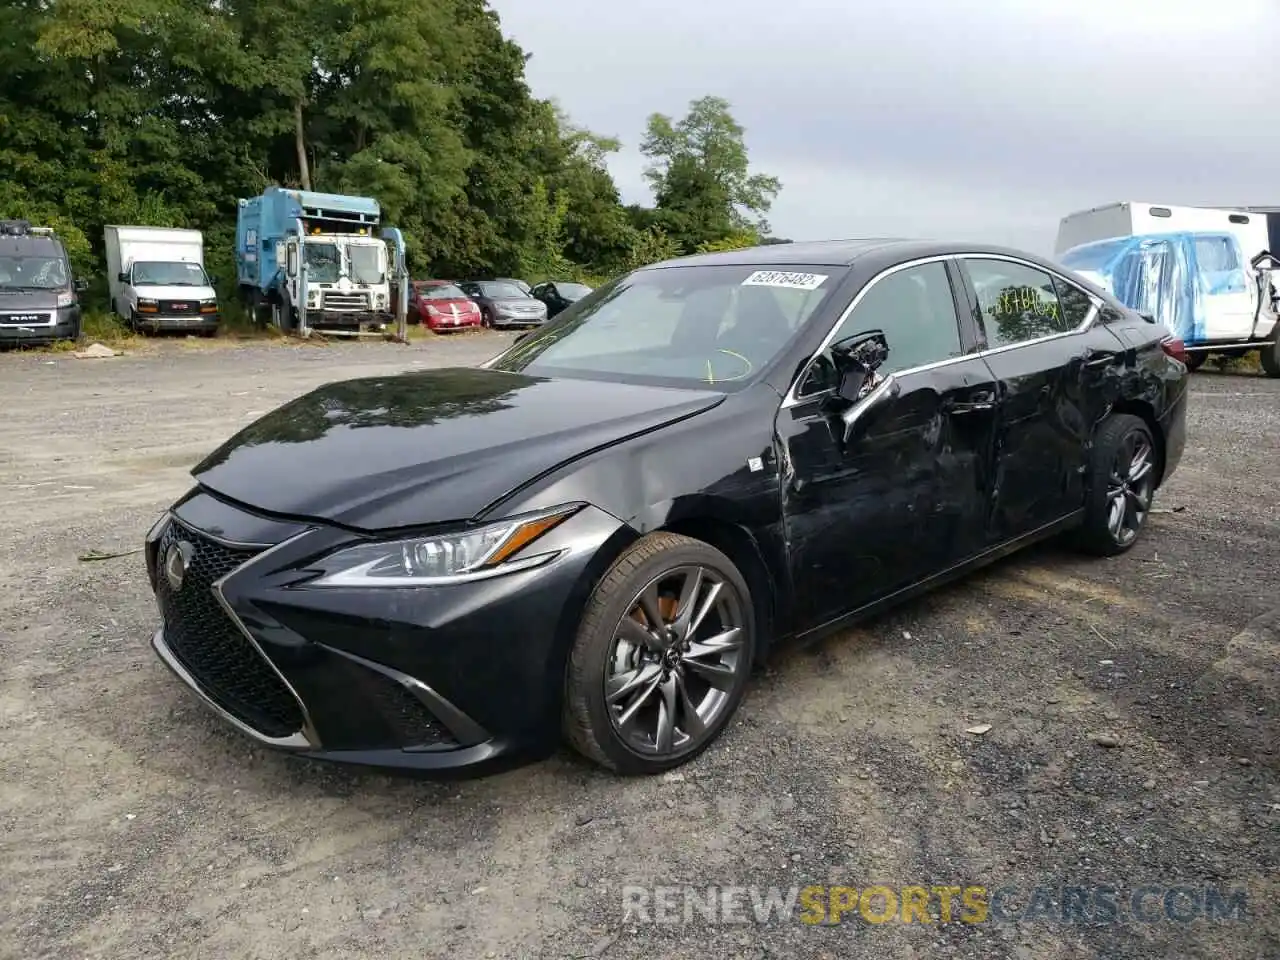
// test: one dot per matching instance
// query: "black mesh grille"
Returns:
(210, 645)
(413, 723)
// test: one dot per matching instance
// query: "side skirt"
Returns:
(983, 559)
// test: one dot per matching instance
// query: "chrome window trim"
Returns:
(792, 398)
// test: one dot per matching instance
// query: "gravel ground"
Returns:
(133, 824)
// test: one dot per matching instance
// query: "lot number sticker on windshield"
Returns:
(778, 278)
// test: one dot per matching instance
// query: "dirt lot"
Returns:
(133, 824)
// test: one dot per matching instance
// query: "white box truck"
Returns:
(1132, 218)
(157, 280)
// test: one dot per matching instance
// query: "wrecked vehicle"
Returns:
(1199, 284)
(596, 535)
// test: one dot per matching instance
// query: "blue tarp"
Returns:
(1171, 276)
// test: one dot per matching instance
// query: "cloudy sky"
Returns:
(978, 119)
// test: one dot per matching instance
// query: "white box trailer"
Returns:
(1133, 218)
(157, 279)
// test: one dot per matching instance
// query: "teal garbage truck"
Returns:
(319, 261)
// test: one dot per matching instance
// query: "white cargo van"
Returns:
(1131, 218)
(158, 281)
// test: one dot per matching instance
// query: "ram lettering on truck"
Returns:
(307, 260)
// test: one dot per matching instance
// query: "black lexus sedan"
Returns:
(595, 536)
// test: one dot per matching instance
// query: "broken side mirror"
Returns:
(857, 359)
(860, 415)
(1265, 262)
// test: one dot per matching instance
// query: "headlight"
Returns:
(382, 299)
(145, 302)
(66, 299)
(475, 554)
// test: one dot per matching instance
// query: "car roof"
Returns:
(30, 245)
(878, 252)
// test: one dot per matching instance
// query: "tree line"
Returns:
(163, 112)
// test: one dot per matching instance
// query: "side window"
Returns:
(1075, 303)
(915, 310)
(1019, 303)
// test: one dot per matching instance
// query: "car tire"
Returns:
(1121, 484)
(1270, 356)
(611, 654)
(1196, 360)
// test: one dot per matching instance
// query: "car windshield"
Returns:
(441, 291)
(573, 291)
(501, 290)
(149, 273)
(678, 326)
(41, 273)
(323, 263)
(364, 264)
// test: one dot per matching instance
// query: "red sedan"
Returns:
(442, 306)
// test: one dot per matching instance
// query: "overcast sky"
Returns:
(946, 118)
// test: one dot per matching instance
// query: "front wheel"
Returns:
(1122, 483)
(662, 656)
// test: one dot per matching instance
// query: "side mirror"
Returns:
(1265, 261)
(857, 359)
(213, 281)
(123, 276)
(858, 416)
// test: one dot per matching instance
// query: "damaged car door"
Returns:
(887, 477)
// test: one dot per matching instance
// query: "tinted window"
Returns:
(680, 326)
(1075, 303)
(1019, 303)
(572, 291)
(915, 310)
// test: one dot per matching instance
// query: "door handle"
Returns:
(981, 400)
(1101, 358)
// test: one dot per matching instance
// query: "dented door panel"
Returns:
(905, 499)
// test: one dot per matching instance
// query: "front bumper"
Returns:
(508, 322)
(448, 322)
(348, 318)
(433, 680)
(65, 326)
(156, 323)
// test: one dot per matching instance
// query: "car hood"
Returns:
(463, 304)
(21, 300)
(431, 446)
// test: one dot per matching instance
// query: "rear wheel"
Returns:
(662, 656)
(1122, 483)
(1270, 355)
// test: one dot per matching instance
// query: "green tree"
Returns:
(700, 175)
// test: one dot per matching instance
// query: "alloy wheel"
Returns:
(1130, 488)
(675, 661)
